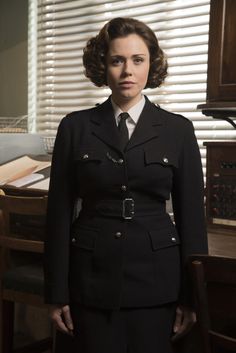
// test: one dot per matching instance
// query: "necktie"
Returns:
(123, 130)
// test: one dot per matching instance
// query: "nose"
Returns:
(127, 68)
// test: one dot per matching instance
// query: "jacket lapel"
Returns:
(148, 126)
(104, 126)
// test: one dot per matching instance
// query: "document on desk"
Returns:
(20, 168)
(28, 179)
(42, 185)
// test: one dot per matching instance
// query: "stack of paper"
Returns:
(24, 167)
(41, 185)
(28, 179)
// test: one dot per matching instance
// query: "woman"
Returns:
(116, 273)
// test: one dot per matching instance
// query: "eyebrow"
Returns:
(121, 56)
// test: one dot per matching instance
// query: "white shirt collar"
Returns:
(134, 112)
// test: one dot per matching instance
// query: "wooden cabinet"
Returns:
(221, 77)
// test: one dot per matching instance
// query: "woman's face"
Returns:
(128, 62)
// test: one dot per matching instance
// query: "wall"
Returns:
(13, 57)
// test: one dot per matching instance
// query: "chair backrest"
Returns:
(22, 228)
(23, 222)
(214, 281)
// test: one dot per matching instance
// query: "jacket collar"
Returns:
(104, 125)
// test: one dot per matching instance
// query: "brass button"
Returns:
(165, 160)
(123, 187)
(73, 240)
(85, 156)
(173, 239)
(118, 234)
(120, 161)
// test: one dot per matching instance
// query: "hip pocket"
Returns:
(164, 238)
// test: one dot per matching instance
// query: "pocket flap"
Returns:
(165, 159)
(86, 155)
(164, 238)
(84, 238)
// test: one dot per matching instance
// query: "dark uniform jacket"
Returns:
(123, 250)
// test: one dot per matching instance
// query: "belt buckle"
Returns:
(128, 208)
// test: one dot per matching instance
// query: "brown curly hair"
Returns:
(94, 57)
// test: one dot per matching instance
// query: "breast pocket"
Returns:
(159, 169)
(89, 168)
(165, 159)
(87, 156)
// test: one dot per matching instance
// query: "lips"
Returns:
(126, 84)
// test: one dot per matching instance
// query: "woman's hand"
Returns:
(61, 318)
(184, 320)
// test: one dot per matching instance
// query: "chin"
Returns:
(128, 95)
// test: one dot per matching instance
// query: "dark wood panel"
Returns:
(229, 44)
(221, 80)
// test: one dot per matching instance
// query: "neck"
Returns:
(126, 104)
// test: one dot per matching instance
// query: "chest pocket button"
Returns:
(167, 159)
(85, 156)
(118, 235)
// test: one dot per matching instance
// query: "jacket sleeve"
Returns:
(59, 217)
(188, 207)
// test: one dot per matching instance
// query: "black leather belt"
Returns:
(126, 208)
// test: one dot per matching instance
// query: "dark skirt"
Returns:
(127, 330)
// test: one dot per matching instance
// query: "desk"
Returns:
(23, 191)
(222, 243)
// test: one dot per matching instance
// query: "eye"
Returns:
(138, 60)
(117, 61)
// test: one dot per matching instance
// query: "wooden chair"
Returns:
(214, 281)
(21, 269)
